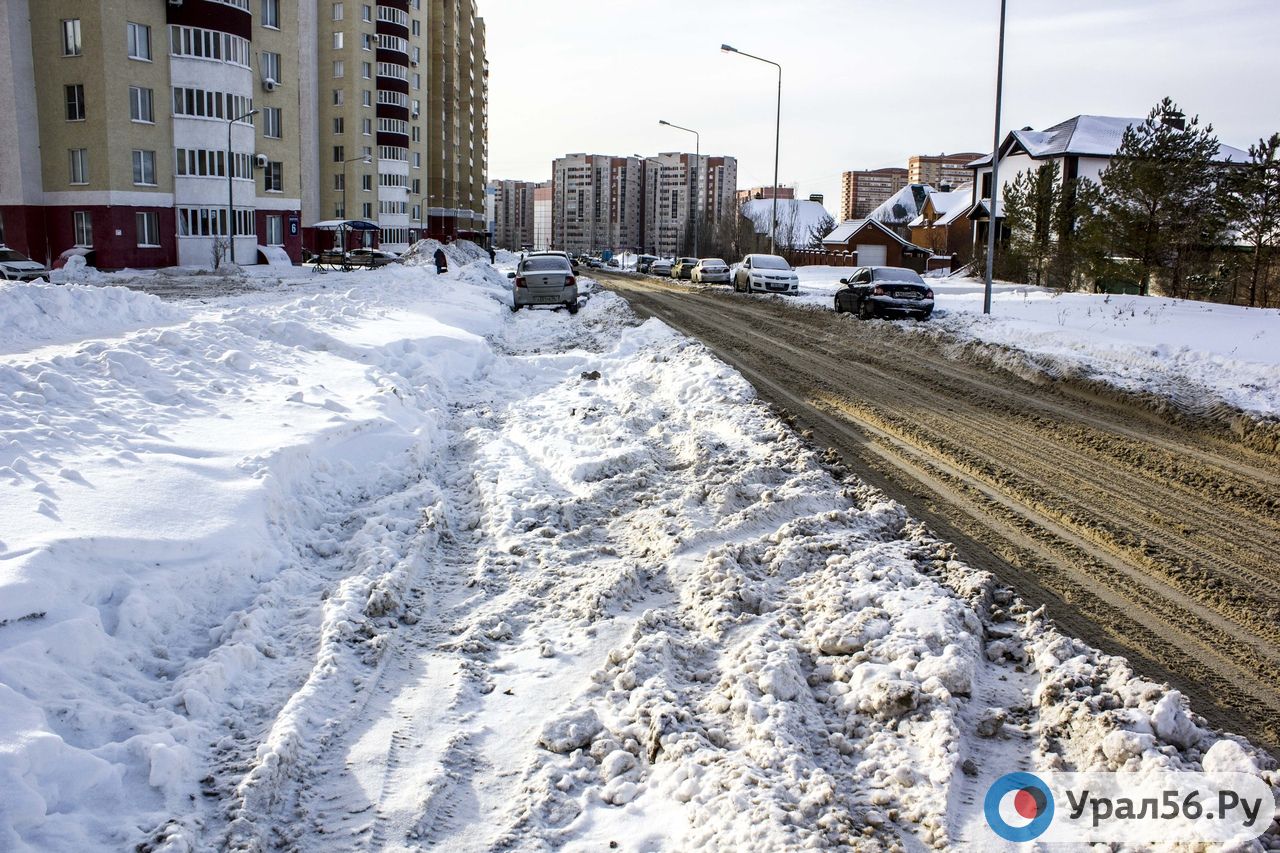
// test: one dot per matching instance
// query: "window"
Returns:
(337, 97)
(206, 163)
(417, 186)
(366, 126)
(271, 14)
(79, 165)
(71, 45)
(367, 210)
(273, 178)
(339, 182)
(366, 70)
(366, 98)
(83, 222)
(139, 41)
(141, 104)
(417, 135)
(144, 168)
(148, 228)
(339, 69)
(339, 154)
(209, 44)
(275, 230)
(75, 102)
(415, 27)
(417, 159)
(417, 80)
(366, 41)
(366, 183)
(337, 41)
(271, 122)
(271, 66)
(337, 11)
(366, 13)
(338, 125)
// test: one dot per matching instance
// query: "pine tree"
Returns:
(1159, 194)
(1032, 210)
(820, 229)
(1253, 205)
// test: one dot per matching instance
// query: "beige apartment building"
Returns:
(862, 192)
(146, 132)
(542, 216)
(942, 169)
(513, 214)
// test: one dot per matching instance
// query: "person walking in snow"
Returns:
(442, 263)
(493, 256)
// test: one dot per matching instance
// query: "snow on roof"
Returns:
(845, 230)
(1086, 136)
(807, 216)
(904, 206)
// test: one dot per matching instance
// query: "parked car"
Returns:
(766, 274)
(15, 266)
(544, 279)
(373, 258)
(683, 268)
(885, 291)
(710, 271)
(661, 267)
(613, 263)
(643, 262)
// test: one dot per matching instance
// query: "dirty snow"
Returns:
(368, 561)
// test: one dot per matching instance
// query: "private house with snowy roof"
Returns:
(1082, 146)
(876, 245)
(943, 225)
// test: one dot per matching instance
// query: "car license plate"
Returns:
(908, 294)
(546, 300)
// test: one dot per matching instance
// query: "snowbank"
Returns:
(39, 313)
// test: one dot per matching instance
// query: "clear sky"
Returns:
(866, 83)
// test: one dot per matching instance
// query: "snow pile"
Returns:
(458, 252)
(39, 313)
(1196, 355)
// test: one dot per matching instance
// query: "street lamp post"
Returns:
(777, 138)
(231, 197)
(697, 174)
(366, 159)
(995, 171)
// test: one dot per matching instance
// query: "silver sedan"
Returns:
(544, 280)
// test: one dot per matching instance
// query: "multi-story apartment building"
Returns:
(154, 131)
(948, 169)
(648, 203)
(542, 216)
(862, 192)
(513, 216)
(745, 196)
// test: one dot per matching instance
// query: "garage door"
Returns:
(872, 256)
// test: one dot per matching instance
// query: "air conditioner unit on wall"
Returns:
(270, 85)
(260, 160)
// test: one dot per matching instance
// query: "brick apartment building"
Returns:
(941, 170)
(144, 131)
(862, 192)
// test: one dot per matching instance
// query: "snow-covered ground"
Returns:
(1199, 353)
(367, 561)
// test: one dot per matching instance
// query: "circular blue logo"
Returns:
(1027, 797)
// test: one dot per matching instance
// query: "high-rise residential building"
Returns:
(600, 202)
(862, 192)
(542, 216)
(948, 169)
(153, 129)
(513, 216)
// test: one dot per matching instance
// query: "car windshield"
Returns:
(713, 262)
(898, 275)
(688, 260)
(547, 263)
(10, 255)
(769, 262)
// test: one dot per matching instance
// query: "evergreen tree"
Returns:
(1159, 199)
(1253, 206)
(1032, 210)
(821, 229)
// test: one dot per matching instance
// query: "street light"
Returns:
(995, 171)
(776, 138)
(697, 163)
(366, 159)
(231, 199)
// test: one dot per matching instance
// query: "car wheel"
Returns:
(515, 308)
(572, 306)
(924, 315)
(866, 310)
(839, 307)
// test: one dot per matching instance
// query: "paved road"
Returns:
(1142, 537)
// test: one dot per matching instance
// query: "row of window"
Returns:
(205, 163)
(192, 222)
(209, 44)
(200, 103)
(393, 208)
(190, 163)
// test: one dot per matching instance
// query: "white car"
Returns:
(660, 268)
(711, 271)
(766, 274)
(15, 266)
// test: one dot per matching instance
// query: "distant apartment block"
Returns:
(542, 216)
(649, 203)
(513, 214)
(143, 132)
(764, 192)
(943, 169)
(862, 192)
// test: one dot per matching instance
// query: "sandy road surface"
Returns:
(1143, 537)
